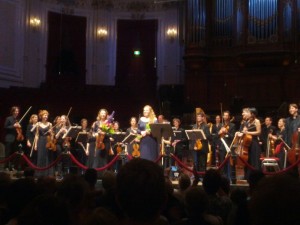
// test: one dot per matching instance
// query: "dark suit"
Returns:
(11, 144)
(200, 156)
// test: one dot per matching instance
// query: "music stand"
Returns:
(129, 139)
(72, 132)
(118, 137)
(159, 130)
(82, 137)
(195, 134)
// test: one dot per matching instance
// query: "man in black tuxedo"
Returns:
(11, 125)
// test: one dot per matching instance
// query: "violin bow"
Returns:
(25, 114)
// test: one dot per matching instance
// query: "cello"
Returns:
(293, 153)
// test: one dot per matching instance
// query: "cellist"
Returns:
(292, 123)
(252, 127)
(226, 132)
(292, 133)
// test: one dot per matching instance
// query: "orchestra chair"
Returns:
(269, 164)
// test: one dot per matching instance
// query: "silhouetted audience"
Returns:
(197, 205)
(218, 205)
(141, 191)
(275, 201)
(45, 210)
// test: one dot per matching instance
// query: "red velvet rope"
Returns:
(41, 168)
(77, 162)
(129, 157)
(12, 156)
(181, 164)
(98, 169)
(159, 158)
(109, 164)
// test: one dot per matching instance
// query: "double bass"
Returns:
(293, 153)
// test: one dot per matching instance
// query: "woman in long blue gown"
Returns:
(44, 155)
(148, 144)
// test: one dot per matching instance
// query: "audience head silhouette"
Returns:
(141, 190)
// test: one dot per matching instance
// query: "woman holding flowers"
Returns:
(99, 144)
(148, 145)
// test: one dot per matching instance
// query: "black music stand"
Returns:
(129, 139)
(118, 137)
(195, 134)
(72, 132)
(162, 131)
(82, 137)
(159, 130)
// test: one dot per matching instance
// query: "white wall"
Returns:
(23, 50)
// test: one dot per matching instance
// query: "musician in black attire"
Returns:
(292, 123)
(81, 145)
(250, 131)
(11, 143)
(200, 155)
(215, 140)
(31, 138)
(266, 129)
(225, 134)
(179, 140)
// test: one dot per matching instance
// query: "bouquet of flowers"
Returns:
(107, 127)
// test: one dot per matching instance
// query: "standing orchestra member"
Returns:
(148, 145)
(179, 140)
(226, 132)
(267, 129)
(200, 155)
(279, 146)
(250, 130)
(44, 155)
(81, 145)
(215, 140)
(292, 123)
(117, 145)
(30, 137)
(99, 145)
(133, 129)
(62, 144)
(11, 125)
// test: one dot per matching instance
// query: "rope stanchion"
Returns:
(12, 156)
(27, 160)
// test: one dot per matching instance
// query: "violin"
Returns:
(198, 145)
(119, 149)
(51, 143)
(99, 141)
(293, 153)
(20, 136)
(66, 143)
(136, 150)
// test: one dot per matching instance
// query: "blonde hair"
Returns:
(152, 116)
(31, 117)
(43, 112)
(98, 117)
